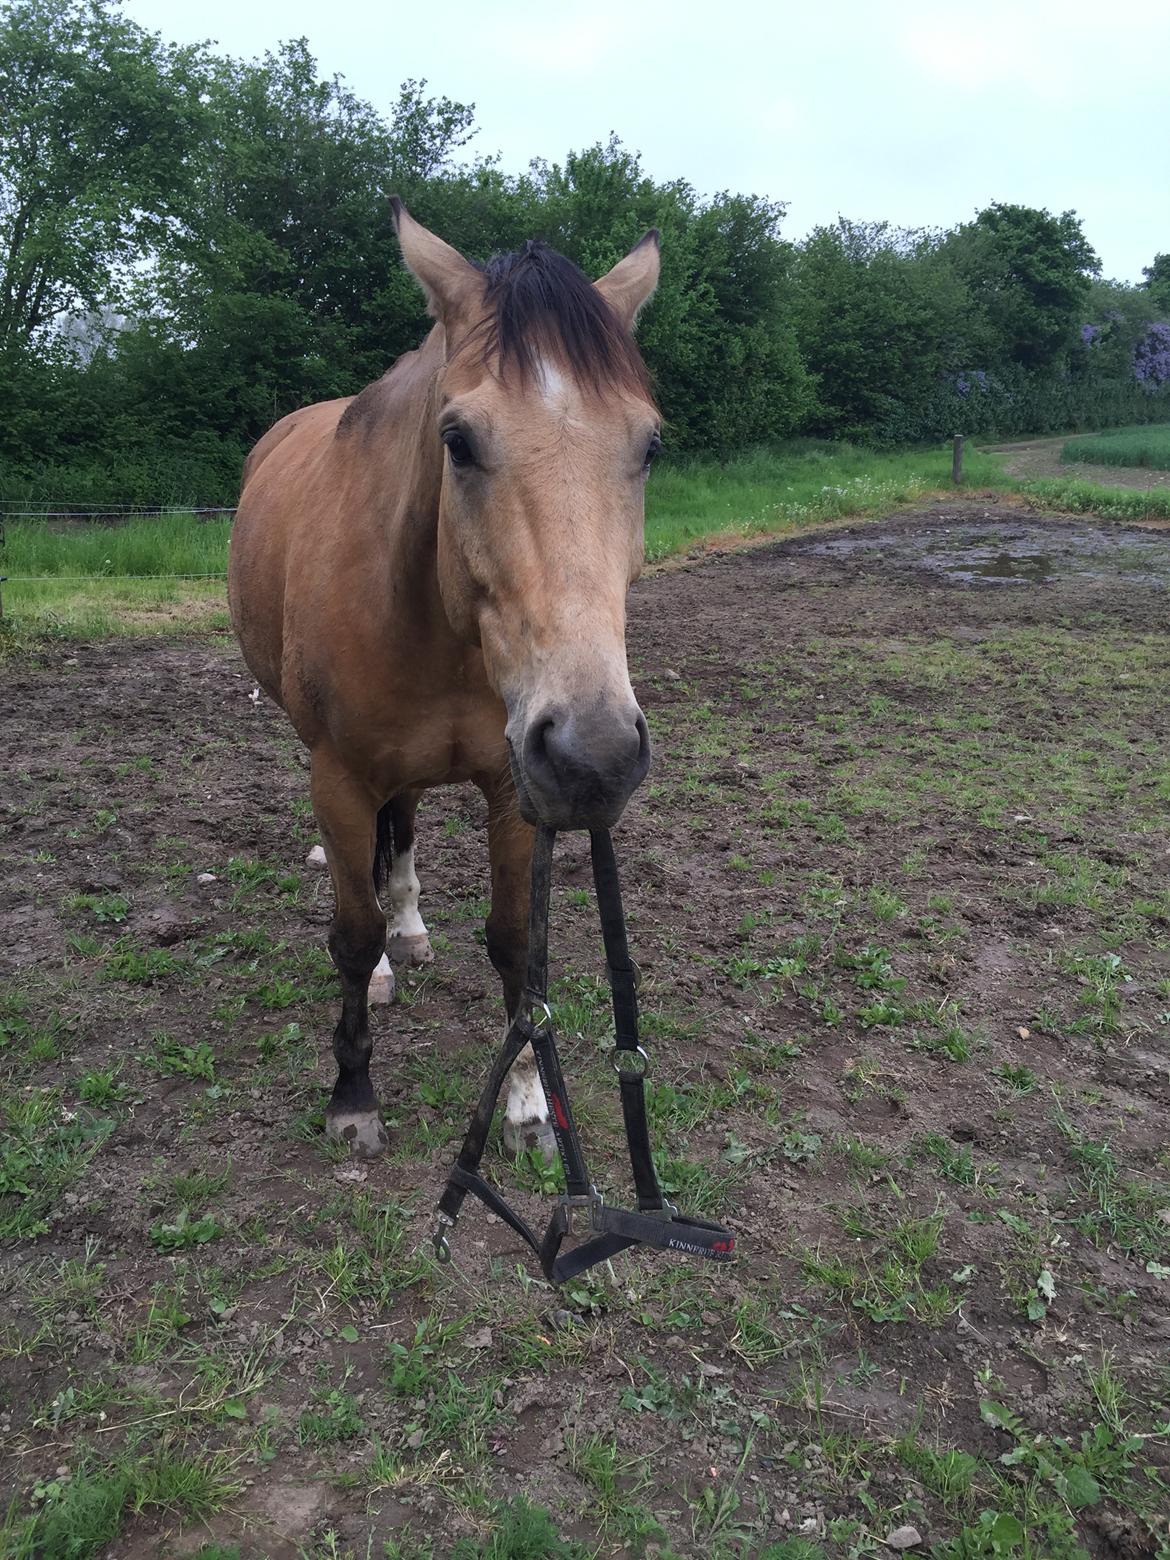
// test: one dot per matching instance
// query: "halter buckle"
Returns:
(666, 1212)
(589, 1203)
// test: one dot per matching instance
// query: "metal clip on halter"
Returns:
(657, 1222)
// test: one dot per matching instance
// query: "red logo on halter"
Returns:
(559, 1113)
(723, 1247)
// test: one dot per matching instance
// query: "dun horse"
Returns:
(431, 579)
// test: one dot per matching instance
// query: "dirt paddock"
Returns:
(899, 887)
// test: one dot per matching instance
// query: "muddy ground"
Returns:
(899, 886)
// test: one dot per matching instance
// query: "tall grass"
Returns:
(92, 580)
(1089, 498)
(1123, 447)
(176, 543)
(775, 492)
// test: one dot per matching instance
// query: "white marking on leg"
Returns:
(405, 920)
(526, 1101)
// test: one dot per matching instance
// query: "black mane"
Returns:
(540, 303)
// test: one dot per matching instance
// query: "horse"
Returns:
(430, 579)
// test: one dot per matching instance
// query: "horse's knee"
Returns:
(508, 953)
(357, 951)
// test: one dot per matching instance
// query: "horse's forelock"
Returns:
(539, 304)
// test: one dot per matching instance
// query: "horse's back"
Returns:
(306, 423)
(281, 475)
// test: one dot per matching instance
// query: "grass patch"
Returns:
(92, 580)
(43, 1150)
(1090, 498)
(773, 492)
(81, 1515)
(1148, 446)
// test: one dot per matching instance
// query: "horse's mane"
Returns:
(540, 304)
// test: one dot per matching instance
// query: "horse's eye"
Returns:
(652, 449)
(458, 448)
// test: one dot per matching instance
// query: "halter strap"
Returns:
(610, 1230)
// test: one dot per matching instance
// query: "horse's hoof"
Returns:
(520, 1136)
(381, 988)
(362, 1131)
(413, 949)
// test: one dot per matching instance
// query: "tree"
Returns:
(283, 285)
(1028, 273)
(1157, 282)
(99, 118)
(880, 317)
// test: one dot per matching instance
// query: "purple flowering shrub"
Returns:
(1089, 334)
(970, 379)
(1151, 357)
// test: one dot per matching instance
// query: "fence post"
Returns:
(957, 460)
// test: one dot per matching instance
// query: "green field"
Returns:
(145, 573)
(1123, 447)
(155, 574)
(773, 493)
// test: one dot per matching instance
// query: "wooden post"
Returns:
(957, 460)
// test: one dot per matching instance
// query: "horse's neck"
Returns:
(403, 444)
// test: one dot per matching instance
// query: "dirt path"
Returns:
(1041, 458)
(898, 885)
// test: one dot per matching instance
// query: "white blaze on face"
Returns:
(402, 891)
(554, 387)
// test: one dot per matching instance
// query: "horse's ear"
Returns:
(449, 281)
(632, 281)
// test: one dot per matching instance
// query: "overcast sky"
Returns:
(915, 111)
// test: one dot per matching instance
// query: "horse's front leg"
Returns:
(526, 1123)
(346, 814)
(408, 942)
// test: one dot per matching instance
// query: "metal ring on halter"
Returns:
(624, 1071)
(442, 1247)
(539, 1013)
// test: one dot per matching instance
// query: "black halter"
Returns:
(656, 1222)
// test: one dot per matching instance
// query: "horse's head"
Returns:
(549, 428)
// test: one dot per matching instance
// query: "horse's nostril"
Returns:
(584, 765)
(540, 747)
(643, 731)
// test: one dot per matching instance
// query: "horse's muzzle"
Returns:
(578, 769)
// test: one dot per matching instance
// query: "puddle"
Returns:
(1000, 555)
(1022, 567)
